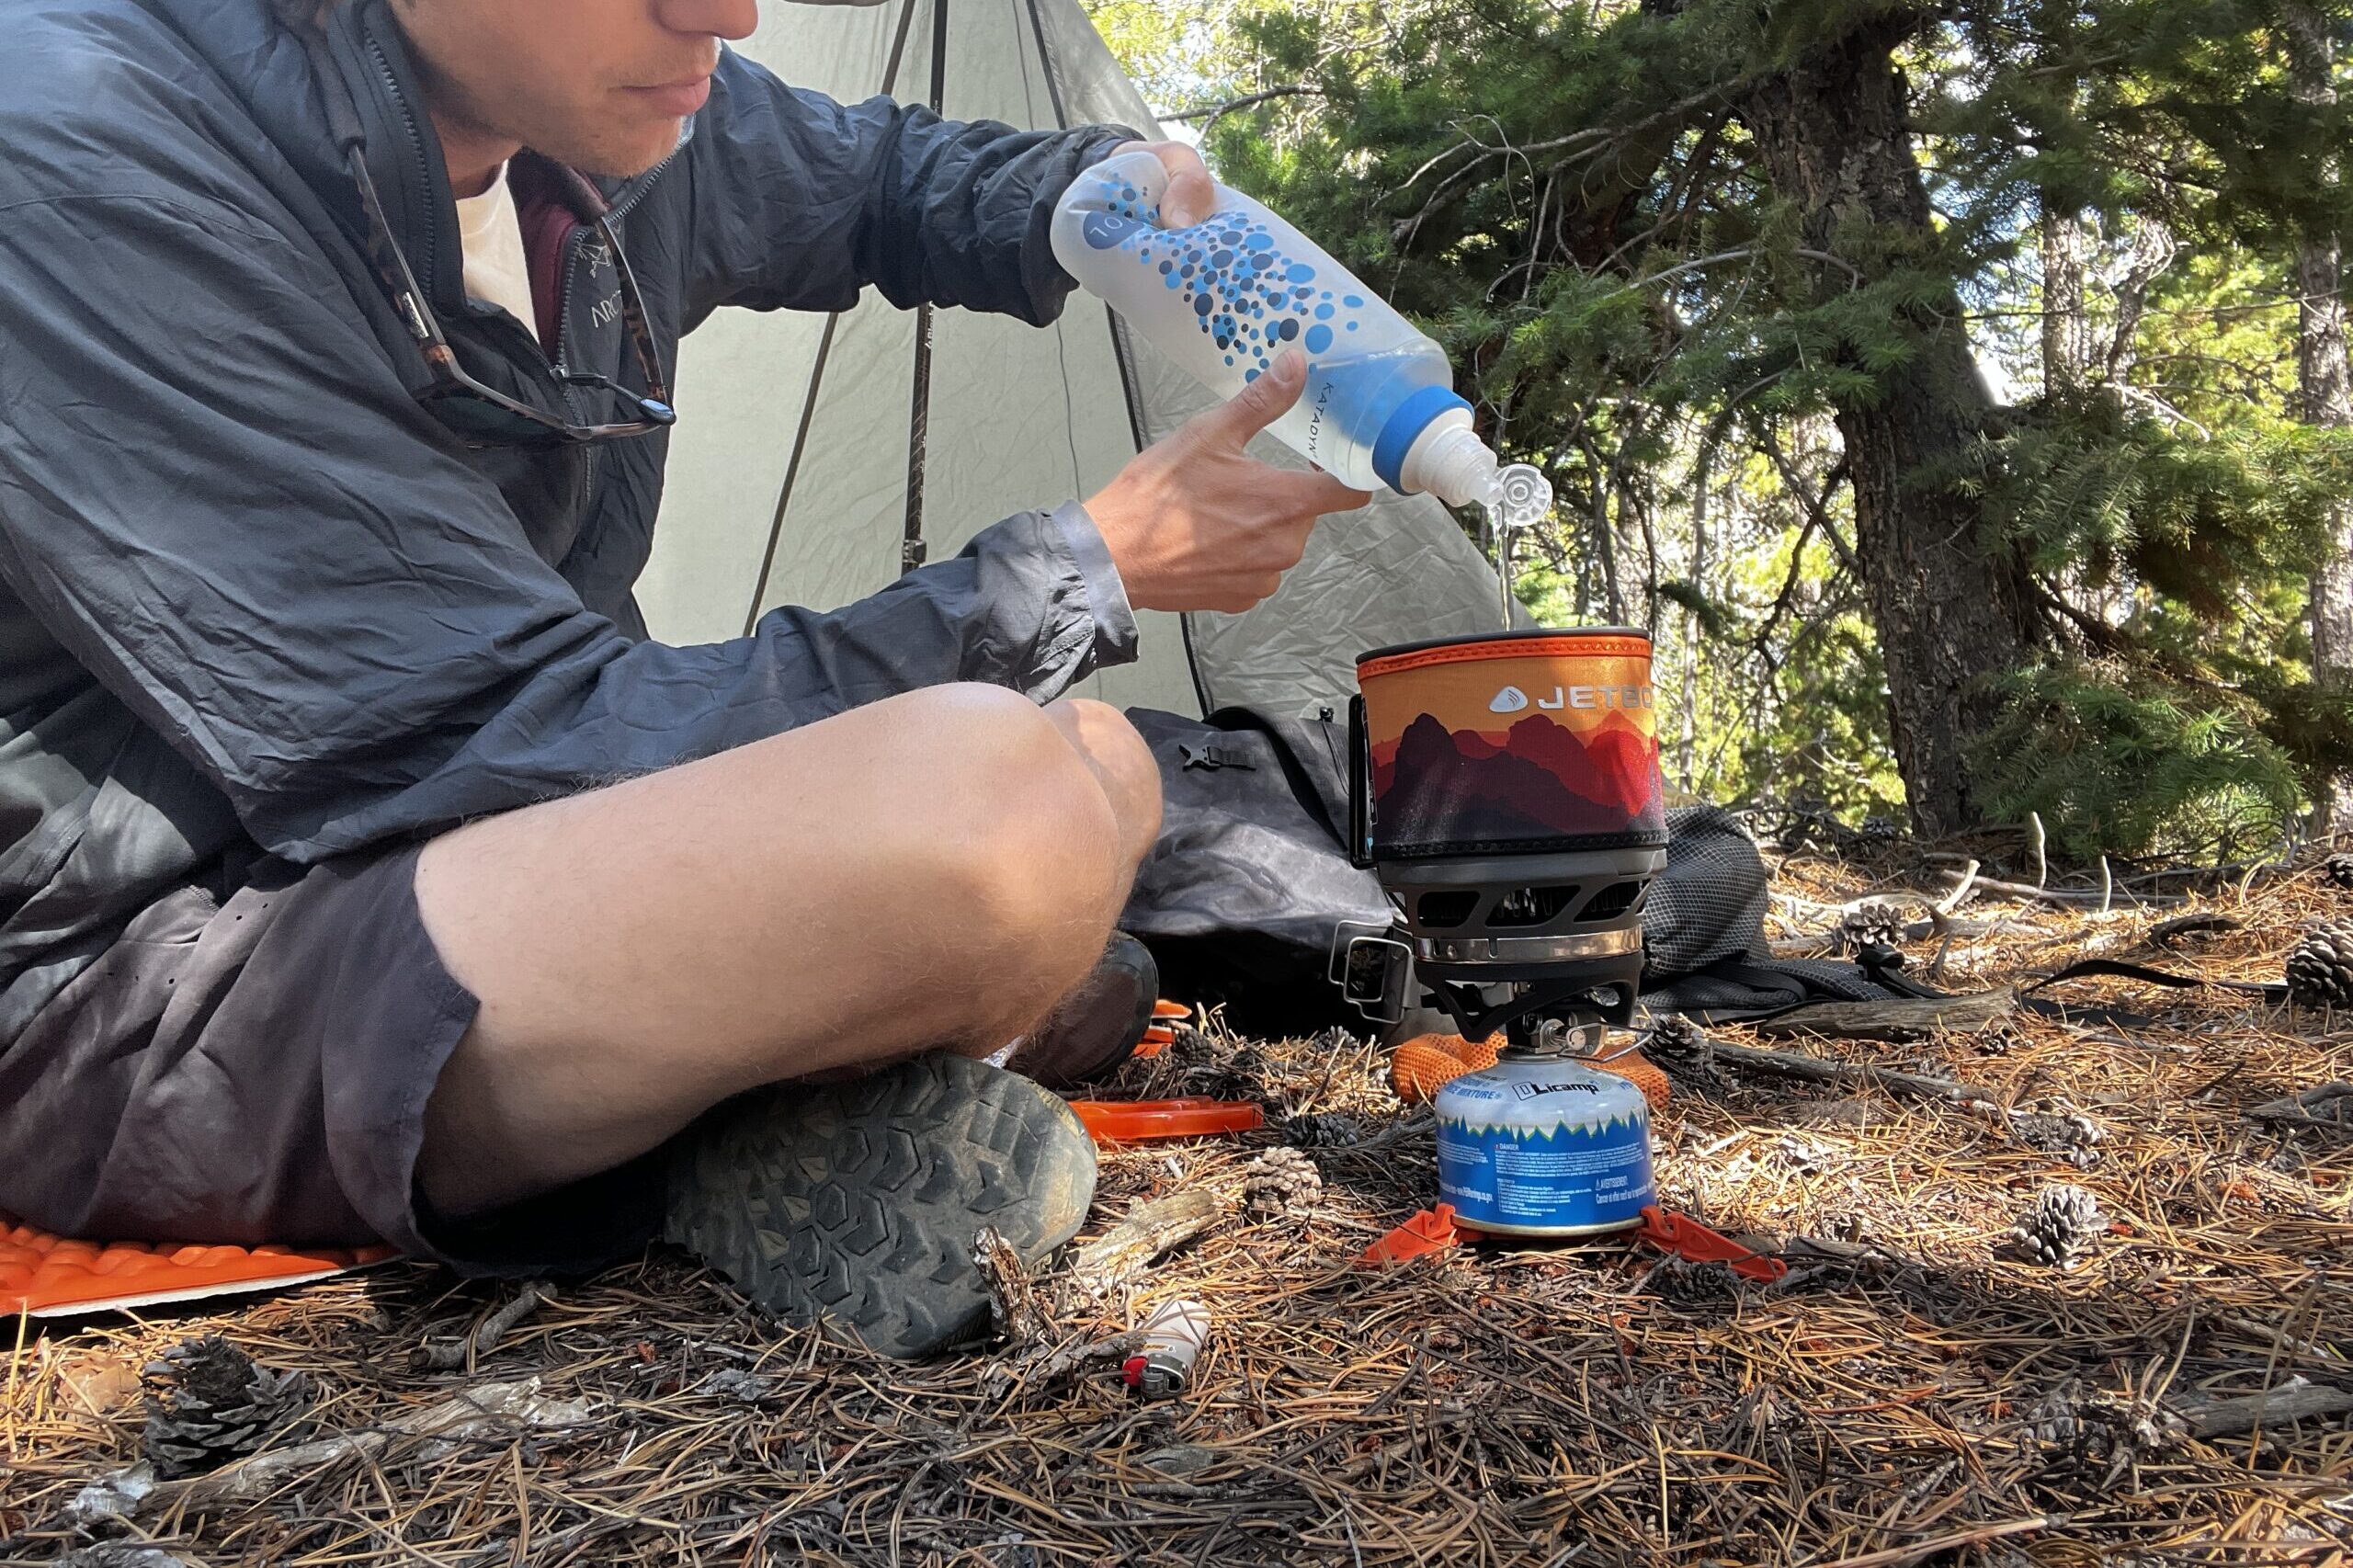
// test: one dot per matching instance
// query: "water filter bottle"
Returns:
(1227, 296)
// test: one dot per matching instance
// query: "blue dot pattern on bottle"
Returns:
(1247, 295)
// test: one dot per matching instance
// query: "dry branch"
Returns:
(1814, 1069)
(486, 1410)
(1043, 1367)
(452, 1354)
(1903, 1017)
(2295, 1400)
(2324, 1106)
(1153, 1226)
(1018, 1317)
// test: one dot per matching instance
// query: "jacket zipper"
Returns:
(613, 214)
(572, 243)
(417, 147)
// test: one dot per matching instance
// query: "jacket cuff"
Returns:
(1115, 618)
(1050, 286)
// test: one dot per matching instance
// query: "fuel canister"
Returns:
(1542, 1146)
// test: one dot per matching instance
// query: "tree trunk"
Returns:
(2152, 253)
(2067, 327)
(2325, 388)
(1950, 608)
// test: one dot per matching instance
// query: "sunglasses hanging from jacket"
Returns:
(479, 415)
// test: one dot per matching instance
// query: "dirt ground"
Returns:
(1912, 1392)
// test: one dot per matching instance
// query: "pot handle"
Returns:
(1360, 787)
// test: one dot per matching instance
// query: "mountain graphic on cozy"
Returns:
(1539, 780)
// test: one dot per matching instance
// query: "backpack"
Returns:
(1249, 890)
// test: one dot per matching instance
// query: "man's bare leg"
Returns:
(933, 869)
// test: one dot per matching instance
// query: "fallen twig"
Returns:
(470, 1413)
(1019, 1317)
(2163, 933)
(1896, 1018)
(2295, 1400)
(451, 1354)
(2298, 1109)
(1153, 1226)
(1814, 1069)
(1043, 1368)
(2072, 898)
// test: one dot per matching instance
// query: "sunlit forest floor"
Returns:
(1914, 1390)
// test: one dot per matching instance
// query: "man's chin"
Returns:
(606, 159)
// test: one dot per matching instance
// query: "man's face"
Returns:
(603, 86)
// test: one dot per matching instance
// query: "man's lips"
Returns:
(675, 99)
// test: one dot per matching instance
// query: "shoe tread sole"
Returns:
(853, 1206)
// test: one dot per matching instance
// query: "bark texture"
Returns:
(1950, 608)
(2324, 388)
(2067, 352)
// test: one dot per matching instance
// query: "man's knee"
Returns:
(1123, 765)
(1036, 845)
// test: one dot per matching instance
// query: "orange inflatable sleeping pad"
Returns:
(46, 1276)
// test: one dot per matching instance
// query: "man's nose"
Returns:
(711, 19)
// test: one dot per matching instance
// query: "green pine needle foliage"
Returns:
(2122, 761)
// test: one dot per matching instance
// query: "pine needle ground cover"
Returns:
(1923, 1388)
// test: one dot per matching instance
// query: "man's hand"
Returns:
(1192, 523)
(1191, 195)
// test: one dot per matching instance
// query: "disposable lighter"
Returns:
(1173, 1337)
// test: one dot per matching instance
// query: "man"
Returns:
(366, 872)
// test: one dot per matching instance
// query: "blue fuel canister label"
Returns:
(1544, 1148)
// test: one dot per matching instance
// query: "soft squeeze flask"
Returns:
(1225, 297)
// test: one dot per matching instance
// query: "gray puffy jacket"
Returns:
(253, 599)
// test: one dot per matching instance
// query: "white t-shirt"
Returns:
(497, 272)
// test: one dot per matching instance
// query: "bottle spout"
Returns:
(1450, 462)
(1523, 496)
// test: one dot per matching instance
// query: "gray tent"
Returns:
(811, 449)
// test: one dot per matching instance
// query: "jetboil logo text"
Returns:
(1511, 700)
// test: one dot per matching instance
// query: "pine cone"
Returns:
(1691, 1284)
(1281, 1182)
(1684, 1049)
(1874, 921)
(2338, 869)
(1996, 1039)
(2070, 1135)
(1217, 1068)
(2091, 1425)
(1323, 1129)
(2059, 1226)
(208, 1403)
(2320, 967)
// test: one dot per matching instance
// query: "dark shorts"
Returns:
(256, 1070)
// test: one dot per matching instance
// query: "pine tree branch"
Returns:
(1209, 114)
(1816, 507)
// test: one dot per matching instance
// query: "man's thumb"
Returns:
(1263, 402)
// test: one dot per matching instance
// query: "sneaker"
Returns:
(851, 1207)
(1098, 1025)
